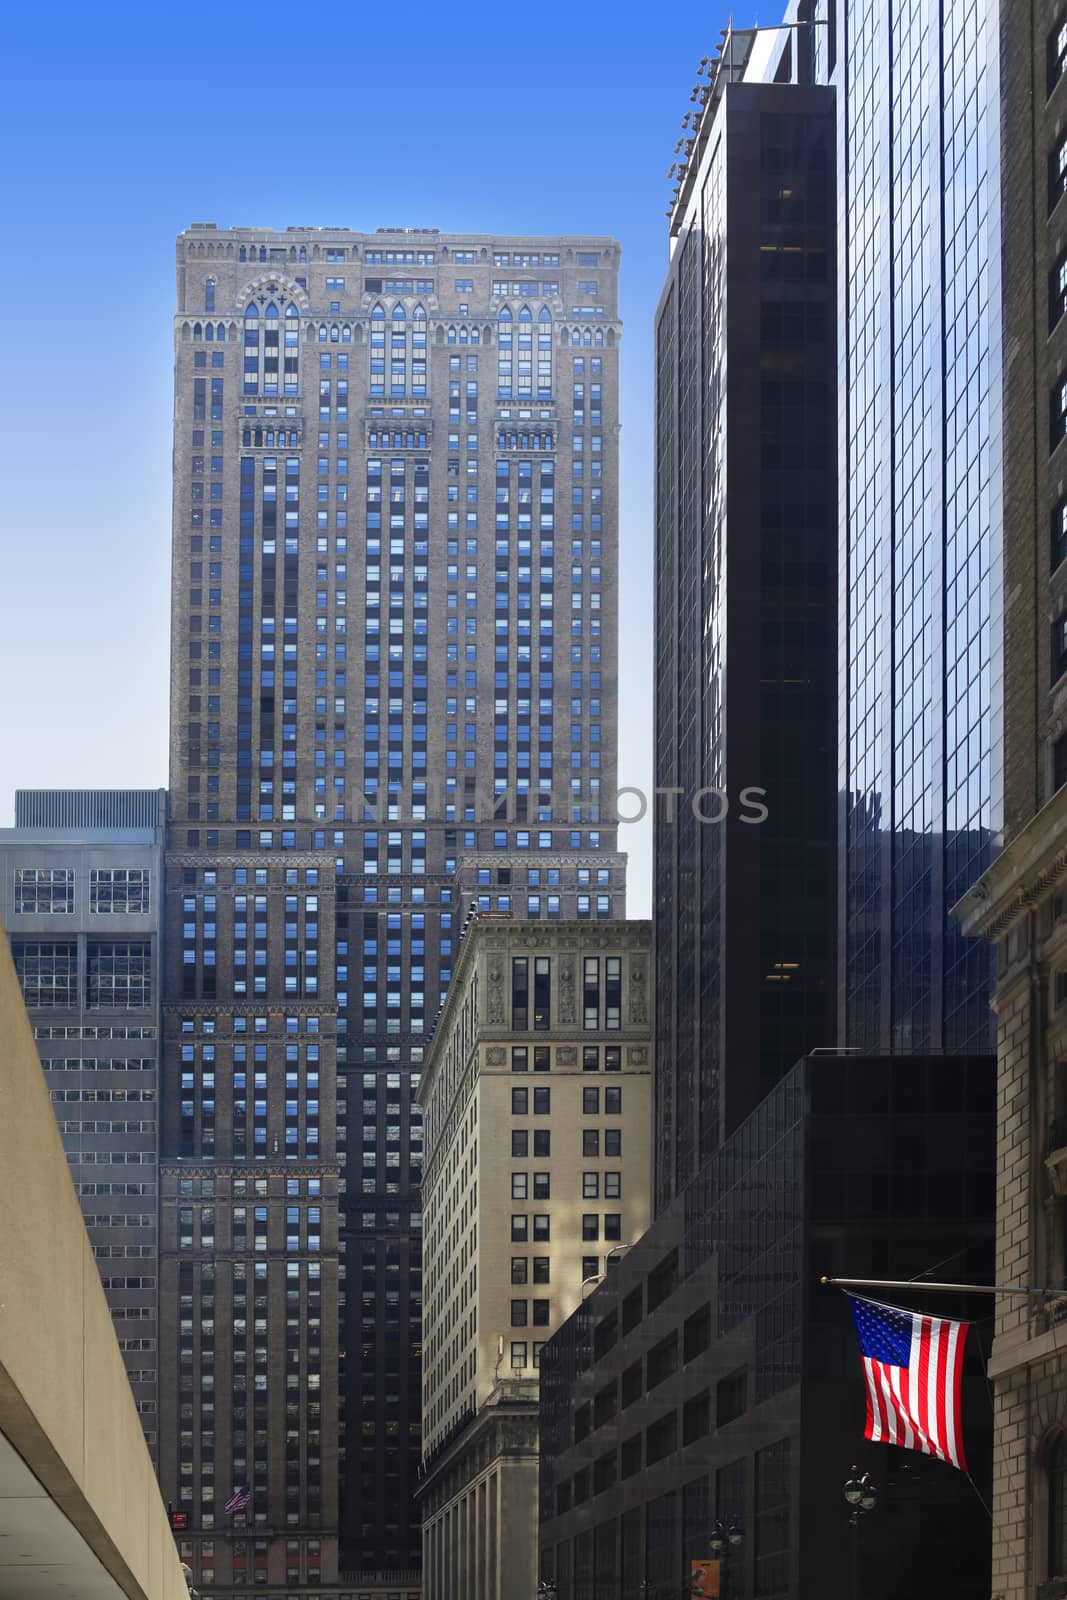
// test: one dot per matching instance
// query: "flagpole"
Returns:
(949, 1288)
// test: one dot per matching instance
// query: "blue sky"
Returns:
(119, 132)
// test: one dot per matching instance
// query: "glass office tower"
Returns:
(919, 576)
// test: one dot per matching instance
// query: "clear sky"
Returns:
(123, 125)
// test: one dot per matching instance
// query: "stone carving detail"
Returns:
(566, 1055)
(638, 991)
(495, 998)
(637, 1055)
(566, 990)
(496, 1056)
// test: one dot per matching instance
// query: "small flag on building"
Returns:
(239, 1499)
(913, 1366)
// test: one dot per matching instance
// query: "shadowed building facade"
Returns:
(81, 890)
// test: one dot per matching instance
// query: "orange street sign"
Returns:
(704, 1579)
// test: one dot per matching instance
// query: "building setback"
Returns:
(393, 698)
(536, 1101)
(710, 1378)
(81, 885)
(1018, 905)
(745, 664)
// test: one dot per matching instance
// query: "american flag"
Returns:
(913, 1366)
(239, 1499)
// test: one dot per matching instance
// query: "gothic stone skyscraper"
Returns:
(393, 698)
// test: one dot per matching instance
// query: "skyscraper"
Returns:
(80, 896)
(920, 772)
(745, 664)
(393, 697)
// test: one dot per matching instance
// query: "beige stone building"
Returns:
(1020, 904)
(537, 1104)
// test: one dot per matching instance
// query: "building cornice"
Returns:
(1026, 872)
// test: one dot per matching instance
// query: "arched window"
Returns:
(291, 311)
(346, 334)
(271, 312)
(304, 253)
(544, 315)
(451, 335)
(263, 252)
(398, 314)
(322, 333)
(209, 331)
(220, 331)
(524, 315)
(377, 313)
(419, 314)
(251, 311)
(209, 294)
(242, 254)
(1057, 1508)
(198, 332)
(335, 333)
(505, 314)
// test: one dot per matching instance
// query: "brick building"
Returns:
(1020, 904)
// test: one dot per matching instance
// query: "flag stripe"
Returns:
(913, 1371)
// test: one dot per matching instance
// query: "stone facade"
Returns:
(394, 654)
(1020, 904)
(536, 1101)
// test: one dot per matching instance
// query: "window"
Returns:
(119, 975)
(542, 1142)
(1059, 762)
(47, 972)
(542, 976)
(519, 1186)
(1057, 1508)
(540, 1313)
(591, 1225)
(612, 1185)
(542, 1099)
(1057, 174)
(519, 1266)
(520, 1102)
(1058, 536)
(612, 1225)
(1057, 65)
(542, 1269)
(591, 1102)
(520, 1141)
(590, 1141)
(541, 1186)
(520, 1058)
(518, 1355)
(613, 1102)
(1059, 647)
(613, 1142)
(44, 890)
(120, 890)
(518, 1314)
(541, 1229)
(520, 1229)
(520, 993)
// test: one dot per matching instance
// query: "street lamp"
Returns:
(724, 1538)
(862, 1495)
(547, 1589)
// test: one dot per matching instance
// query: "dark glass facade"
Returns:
(745, 666)
(710, 1376)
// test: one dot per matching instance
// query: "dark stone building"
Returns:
(745, 607)
(711, 1376)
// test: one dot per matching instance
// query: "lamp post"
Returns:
(862, 1495)
(547, 1589)
(724, 1538)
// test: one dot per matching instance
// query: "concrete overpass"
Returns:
(80, 1512)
